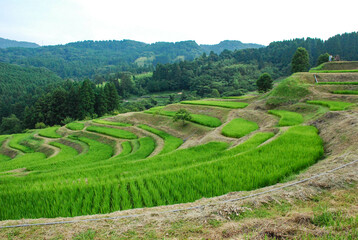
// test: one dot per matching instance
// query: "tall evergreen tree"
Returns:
(111, 96)
(300, 60)
(87, 99)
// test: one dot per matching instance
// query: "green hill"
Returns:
(7, 43)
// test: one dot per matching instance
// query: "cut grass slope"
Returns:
(114, 132)
(333, 105)
(76, 126)
(287, 118)
(239, 127)
(217, 103)
(201, 119)
(170, 142)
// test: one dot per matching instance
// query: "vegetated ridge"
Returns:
(7, 43)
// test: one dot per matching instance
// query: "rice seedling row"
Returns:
(287, 118)
(350, 92)
(338, 83)
(50, 132)
(170, 142)
(100, 184)
(104, 122)
(224, 104)
(239, 127)
(333, 105)
(113, 132)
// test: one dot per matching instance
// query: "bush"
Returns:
(40, 125)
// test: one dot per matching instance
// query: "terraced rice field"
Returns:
(50, 132)
(104, 122)
(114, 132)
(287, 118)
(224, 104)
(111, 166)
(75, 126)
(239, 127)
(201, 119)
(96, 181)
(170, 142)
(333, 105)
(348, 92)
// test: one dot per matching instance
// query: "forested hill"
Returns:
(90, 58)
(6, 43)
(20, 87)
(228, 45)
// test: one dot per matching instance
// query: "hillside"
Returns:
(228, 45)
(21, 86)
(7, 43)
(275, 165)
(88, 58)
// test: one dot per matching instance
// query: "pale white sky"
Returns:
(49, 22)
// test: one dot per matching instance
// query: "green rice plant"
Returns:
(95, 182)
(170, 142)
(201, 119)
(239, 97)
(146, 147)
(338, 83)
(334, 71)
(224, 104)
(350, 92)
(104, 122)
(50, 132)
(333, 105)
(239, 127)
(114, 132)
(287, 118)
(126, 149)
(15, 142)
(3, 138)
(76, 126)
(4, 158)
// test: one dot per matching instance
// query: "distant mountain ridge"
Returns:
(230, 45)
(88, 58)
(7, 43)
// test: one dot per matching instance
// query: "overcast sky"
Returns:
(49, 22)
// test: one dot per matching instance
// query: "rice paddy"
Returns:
(95, 182)
(113, 132)
(201, 119)
(333, 105)
(287, 118)
(110, 166)
(170, 142)
(224, 104)
(50, 132)
(338, 83)
(104, 122)
(76, 126)
(348, 92)
(239, 127)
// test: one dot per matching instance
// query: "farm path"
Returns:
(8, 151)
(159, 142)
(47, 145)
